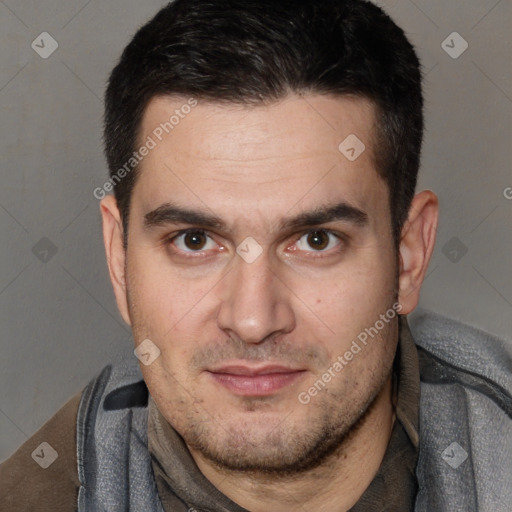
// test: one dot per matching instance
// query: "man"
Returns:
(265, 245)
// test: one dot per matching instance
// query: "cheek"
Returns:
(169, 310)
(352, 301)
(169, 393)
(357, 292)
(160, 293)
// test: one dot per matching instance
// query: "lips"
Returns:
(255, 381)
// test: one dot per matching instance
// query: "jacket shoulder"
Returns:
(42, 474)
(465, 417)
(453, 345)
(114, 464)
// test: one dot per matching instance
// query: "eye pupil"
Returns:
(318, 239)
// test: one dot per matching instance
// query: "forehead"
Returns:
(259, 130)
(212, 153)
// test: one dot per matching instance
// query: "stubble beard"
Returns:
(287, 450)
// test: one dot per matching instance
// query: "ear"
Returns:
(116, 254)
(416, 246)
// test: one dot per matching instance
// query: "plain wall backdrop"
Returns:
(59, 320)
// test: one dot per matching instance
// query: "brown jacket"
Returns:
(24, 484)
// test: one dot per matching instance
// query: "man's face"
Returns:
(251, 311)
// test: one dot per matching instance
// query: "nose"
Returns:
(255, 304)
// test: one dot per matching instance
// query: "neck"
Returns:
(335, 486)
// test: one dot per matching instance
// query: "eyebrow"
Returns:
(169, 213)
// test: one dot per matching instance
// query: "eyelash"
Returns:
(199, 254)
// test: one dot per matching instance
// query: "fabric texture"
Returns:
(465, 462)
(26, 486)
(114, 466)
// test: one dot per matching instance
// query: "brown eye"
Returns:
(320, 240)
(193, 241)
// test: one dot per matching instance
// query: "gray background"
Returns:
(59, 320)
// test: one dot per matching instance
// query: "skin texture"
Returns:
(299, 304)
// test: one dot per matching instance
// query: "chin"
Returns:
(272, 444)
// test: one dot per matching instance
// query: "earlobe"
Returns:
(416, 247)
(115, 252)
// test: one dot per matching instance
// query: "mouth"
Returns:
(255, 381)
